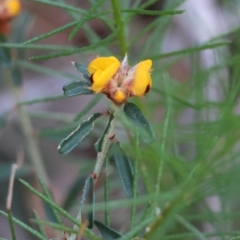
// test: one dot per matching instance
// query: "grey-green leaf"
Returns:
(83, 70)
(5, 54)
(74, 191)
(124, 168)
(137, 118)
(88, 192)
(78, 135)
(91, 196)
(106, 232)
(75, 88)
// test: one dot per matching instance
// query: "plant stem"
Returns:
(164, 136)
(11, 224)
(120, 26)
(31, 141)
(106, 194)
(135, 180)
(101, 156)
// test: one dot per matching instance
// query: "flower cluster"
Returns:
(8, 10)
(119, 80)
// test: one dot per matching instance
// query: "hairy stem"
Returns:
(101, 156)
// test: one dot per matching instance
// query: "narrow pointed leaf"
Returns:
(74, 191)
(5, 53)
(17, 76)
(26, 227)
(106, 232)
(124, 168)
(85, 18)
(77, 88)
(78, 135)
(83, 70)
(151, 12)
(91, 196)
(98, 144)
(137, 118)
(88, 192)
(52, 214)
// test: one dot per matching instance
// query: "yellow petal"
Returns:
(142, 79)
(13, 7)
(101, 63)
(102, 77)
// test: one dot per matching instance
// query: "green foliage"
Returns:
(107, 232)
(124, 168)
(138, 120)
(78, 134)
(190, 152)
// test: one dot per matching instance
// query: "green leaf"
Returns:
(44, 99)
(124, 168)
(83, 70)
(74, 191)
(5, 54)
(106, 41)
(98, 144)
(78, 135)
(187, 51)
(16, 75)
(149, 12)
(91, 196)
(77, 88)
(87, 232)
(49, 34)
(106, 232)
(88, 192)
(52, 214)
(26, 227)
(62, 5)
(137, 118)
(39, 226)
(85, 18)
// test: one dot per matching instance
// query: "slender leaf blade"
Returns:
(75, 88)
(153, 13)
(106, 232)
(82, 69)
(91, 196)
(26, 227)
(137, 118)
(124, 168)
(5, 54)
(77, 187)
(88, 193)
(78, 135)
(85, 18)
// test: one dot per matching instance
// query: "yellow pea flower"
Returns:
(8, 10)
(118, 80)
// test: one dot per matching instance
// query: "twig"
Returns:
(15, 166)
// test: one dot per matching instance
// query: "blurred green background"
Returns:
(193, 108)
